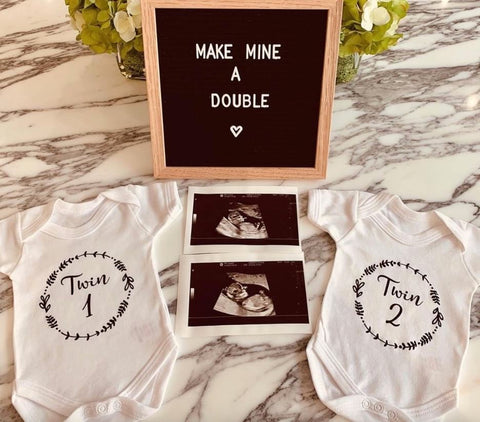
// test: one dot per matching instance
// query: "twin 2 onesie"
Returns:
(395, 316)
(92, 336)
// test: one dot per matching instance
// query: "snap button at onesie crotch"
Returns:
(114, 409)
(380, 411)
(108, 409)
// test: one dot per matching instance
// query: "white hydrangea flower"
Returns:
(133, 8)
(373, 15)
(368, 7)
(77, 21)
(137, 21)
(125, 26)
(380, 16)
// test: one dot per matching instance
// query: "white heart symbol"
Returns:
(236, 130)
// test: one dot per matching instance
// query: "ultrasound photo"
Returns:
(245, 294)
(243, 221)
(221, 220)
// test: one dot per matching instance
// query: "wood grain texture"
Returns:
(238, 4)
(161, 170)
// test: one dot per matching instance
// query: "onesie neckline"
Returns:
(435, 230)
(102, 205)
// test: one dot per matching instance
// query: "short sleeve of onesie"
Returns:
(472, 250)
(10, 248)
(159, 204)
(335, 211)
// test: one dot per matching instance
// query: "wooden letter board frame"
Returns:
(161, 169)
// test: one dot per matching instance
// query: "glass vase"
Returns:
(133, 65)
(347, 68)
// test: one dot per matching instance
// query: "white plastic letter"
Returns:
(215, 100)
(235, 74)
(200, 51)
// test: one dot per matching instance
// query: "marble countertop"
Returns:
(71, 126)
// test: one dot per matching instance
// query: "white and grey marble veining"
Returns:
(71, 127)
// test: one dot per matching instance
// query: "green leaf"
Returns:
(99, 48)
(138, 43)
(102, 4)
(399, 7)
(105, 25)
(103, 16)
(367, 37)
(349, 23)
(378, 32)
(355, 43)
(112, 7)
(73, 6)
(90, 15)
(115, 37)
(92, 35)
(96, 39)
(351, 11)
(88, 36)
(125, 49)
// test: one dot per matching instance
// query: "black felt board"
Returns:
(283, 135)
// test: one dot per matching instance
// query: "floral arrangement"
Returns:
(115, 26)
(369, 26)
(109, 26)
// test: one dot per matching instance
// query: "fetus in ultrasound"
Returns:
(243, 221)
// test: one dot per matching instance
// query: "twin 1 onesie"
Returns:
(92, 335)
(394, 324)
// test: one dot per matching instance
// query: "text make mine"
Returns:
(213, 51)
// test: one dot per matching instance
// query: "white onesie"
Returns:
(394, 324)
(92, 335)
